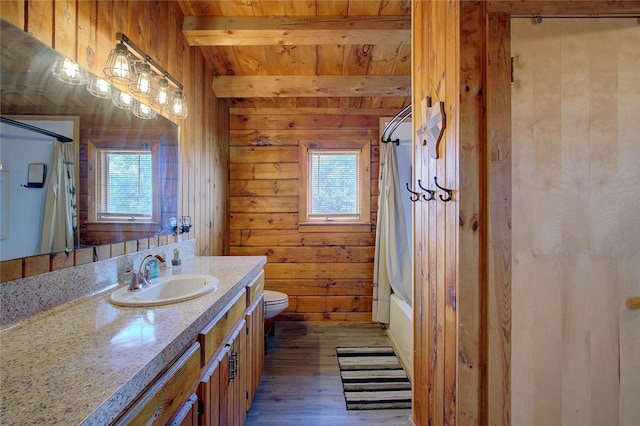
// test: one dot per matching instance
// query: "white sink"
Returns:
(166, 290)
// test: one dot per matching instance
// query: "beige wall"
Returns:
(576, 234)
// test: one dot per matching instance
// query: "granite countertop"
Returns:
(84, 362)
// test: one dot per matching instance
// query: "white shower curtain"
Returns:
(59, 225)
(392, 261)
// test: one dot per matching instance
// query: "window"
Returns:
(123, 188)
(125, 184)
(335, 186)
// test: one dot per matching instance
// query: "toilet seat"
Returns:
(274, 303)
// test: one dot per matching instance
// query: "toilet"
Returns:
(274, 303)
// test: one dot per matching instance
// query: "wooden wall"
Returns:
(85, 31)
(448, 49)
(328, 276)
(576, 180)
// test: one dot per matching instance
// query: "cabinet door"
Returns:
(211, 392)
(236, 390)
(165, 398)
(255, 347)
(188, 414)
(215, 334)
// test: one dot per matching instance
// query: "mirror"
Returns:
(29, 91)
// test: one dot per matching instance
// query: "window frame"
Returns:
(361, 224)
(93, 149)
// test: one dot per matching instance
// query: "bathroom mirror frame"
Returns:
(28, 89)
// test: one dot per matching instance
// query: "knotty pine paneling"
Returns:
(432, 395)
(328, 276)
(448, 66)
(85, 31)
(259, 237)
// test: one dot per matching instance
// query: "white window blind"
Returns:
(124, 184)
(334, 184)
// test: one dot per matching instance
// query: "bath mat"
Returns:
(373, 378)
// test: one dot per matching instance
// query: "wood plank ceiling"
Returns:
(352, 54)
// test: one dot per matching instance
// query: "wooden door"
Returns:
(575, 229)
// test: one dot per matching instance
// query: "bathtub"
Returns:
(400, 332)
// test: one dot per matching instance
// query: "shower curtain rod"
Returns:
(22, 125)
(399, 117)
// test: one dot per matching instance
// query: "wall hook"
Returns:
(415, 195)
(448, 191)
(431, 192)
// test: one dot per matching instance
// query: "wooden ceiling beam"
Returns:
(565, 8)
(383, 112)
(273, 86)
(305, 30)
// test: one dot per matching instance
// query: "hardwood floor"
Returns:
(301, 382)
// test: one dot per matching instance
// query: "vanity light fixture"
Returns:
(68, 71)
(100, 88)
(141, 82)
(119, 67)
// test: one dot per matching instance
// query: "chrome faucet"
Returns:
(142, 278)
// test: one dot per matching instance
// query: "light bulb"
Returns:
(99, 88)
(143, 111)
(103, 86)
(162, 98)
(144, 84)
(68, 71)
(125, 98)
(70, 68)
(121, 67)
(177, 106)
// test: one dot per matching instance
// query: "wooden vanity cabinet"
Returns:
(171, 397)
(233, 358)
